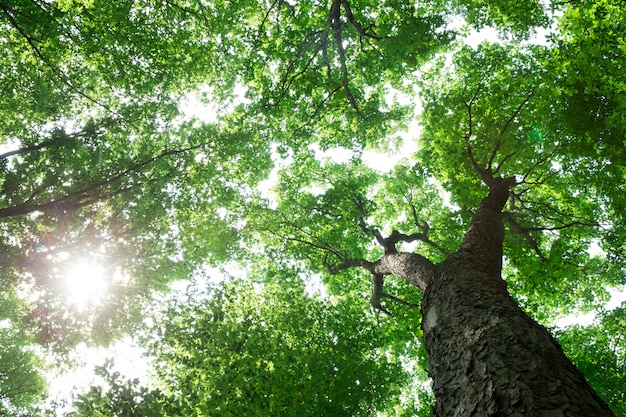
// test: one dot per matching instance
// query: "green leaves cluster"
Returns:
(21, 383)
(234, 349)
(97, 162)
(599, 352)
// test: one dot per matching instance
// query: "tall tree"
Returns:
(485, 354)
(488, 121)
(97, 161)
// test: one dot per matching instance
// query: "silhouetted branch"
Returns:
(316, 111)
(525, 234)
(310, 40)
(59, 141)
(516, 112)
(357, 26)
(506, 158)
(86, 196)
(348, 264)
(425, 228)
(485, 174)
(539, 162)
(378, 294)
(334, 19)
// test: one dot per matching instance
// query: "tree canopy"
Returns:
(101, 161)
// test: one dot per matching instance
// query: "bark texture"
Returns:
(487, 357)
(415, 268)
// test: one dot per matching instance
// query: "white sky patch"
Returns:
(85, 284)
(595, 250)
(129, 362)
(314, 286)
(476, 38)
(200, 106)
(10, 145)
(192, 107)
(618, 296)
(381, 161)
(337, 155)
(579, 319)
(384, 161)
(490, 34)
(409, 246)
(266, 186)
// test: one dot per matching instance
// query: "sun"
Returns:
(85, 284)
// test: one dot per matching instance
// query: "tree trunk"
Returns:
(487, 357)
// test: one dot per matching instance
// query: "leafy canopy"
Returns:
(97, 161)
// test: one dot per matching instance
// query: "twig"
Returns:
(525, 234)
(315, 112)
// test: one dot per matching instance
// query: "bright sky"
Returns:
(129, 361)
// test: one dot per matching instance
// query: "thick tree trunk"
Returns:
(487, 357)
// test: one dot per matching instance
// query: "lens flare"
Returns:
(85, 284)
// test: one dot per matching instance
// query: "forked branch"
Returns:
(334, 19)
(382, 267)
(489, 173)
(378, 294)
(525, 234)
(412, 267)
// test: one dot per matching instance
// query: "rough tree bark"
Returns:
(487, 357)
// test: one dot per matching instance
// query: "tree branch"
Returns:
(86, 196)
(357, 26)
(289, 77)
(348, 264)
(315, 112)
(334, 19)
(65, 138)
(378, 294)
(525, 234)
(425, 228)
(506, 158)
(485, 174)
(539, 162)
(516, 112)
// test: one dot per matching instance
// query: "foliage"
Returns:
(97, 161)
(21, 384)
(252, 352)
(117, 396)
(274, 351)
(599, 351)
